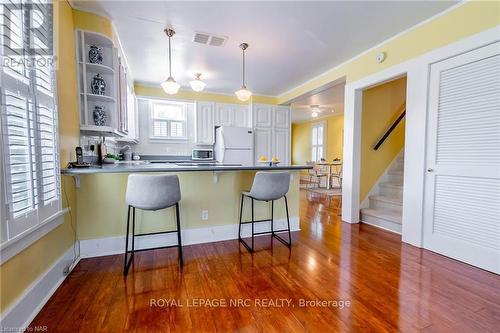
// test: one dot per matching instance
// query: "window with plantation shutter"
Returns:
(28, 118)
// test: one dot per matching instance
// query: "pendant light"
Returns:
(170, 86)
(315, 111)
(243, 94)
(197, 84)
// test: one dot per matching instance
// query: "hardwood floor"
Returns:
(390, 286)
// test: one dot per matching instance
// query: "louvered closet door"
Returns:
(462, 198)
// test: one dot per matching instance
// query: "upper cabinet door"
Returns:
(204, 123)
(241, 116)
(282, 117)
(224, 115)
(263, 115)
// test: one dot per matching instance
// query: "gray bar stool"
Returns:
(151, 192)
(267, 186)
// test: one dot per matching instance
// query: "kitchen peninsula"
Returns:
(209, 206)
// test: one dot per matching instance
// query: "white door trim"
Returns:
(417, 72)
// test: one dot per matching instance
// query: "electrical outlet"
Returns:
(204, 215)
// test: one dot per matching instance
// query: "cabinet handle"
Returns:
(430, 170)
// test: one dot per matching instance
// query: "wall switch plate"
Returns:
(204, 215)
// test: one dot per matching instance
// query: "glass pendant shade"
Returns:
(170, 86)
(243, 94)
(197, 84)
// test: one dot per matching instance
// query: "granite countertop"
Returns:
(159, 166)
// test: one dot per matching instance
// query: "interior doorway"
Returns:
(317, 140)
(382, 154)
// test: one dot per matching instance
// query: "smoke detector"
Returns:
(206, 38)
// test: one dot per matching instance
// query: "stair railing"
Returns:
(391, 128)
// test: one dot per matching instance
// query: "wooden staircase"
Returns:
(386, 204)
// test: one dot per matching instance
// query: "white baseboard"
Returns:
(116, 245)
(24, 310)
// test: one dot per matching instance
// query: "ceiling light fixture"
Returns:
(243, 94)
(170, 86)
(197, 84)
(315, 111)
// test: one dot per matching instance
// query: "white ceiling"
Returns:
(290, 42)
(330, 102)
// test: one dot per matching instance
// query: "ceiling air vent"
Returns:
(209, 39)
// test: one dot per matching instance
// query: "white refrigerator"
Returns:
(234, 145)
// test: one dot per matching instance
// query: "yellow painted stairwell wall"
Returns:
(381, 106)
(301, 139)
(18, 273)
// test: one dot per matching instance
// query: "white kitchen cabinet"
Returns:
(281, 144)
(263, 142)
(281, 117)
(272, 132)
(132, 118)
(231, 115)
(241, 116)
(224, 114)
(204, 123)
(263, 115)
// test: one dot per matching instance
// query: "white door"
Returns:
(263, 142)
(263, 115)
(462, 198)
(204, 123)
(282, 117)
(281, 145)
(241, 116)
(224, 115)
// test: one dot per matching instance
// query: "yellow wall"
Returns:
(381, 107)
(102, 210)
(92, 22)
(301, 139)
(21, 271)
(466, 20)
(151, 91)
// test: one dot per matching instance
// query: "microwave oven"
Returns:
(202, 154)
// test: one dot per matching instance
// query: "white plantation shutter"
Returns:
(28, 124)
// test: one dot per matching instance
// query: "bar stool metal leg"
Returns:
(128, 261)
(241, 216)
(253, 221)
(289, 243)
(181, 260)
(126, 242)
(240, 238)
(272, 218)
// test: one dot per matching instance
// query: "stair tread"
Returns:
(391, 184)
(386, 198)
(383, 214)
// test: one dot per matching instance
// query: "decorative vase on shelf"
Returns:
(98, 85)
(99, 116)
(95, 54)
